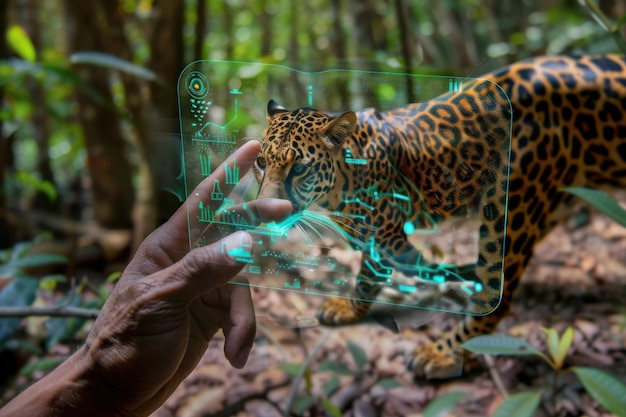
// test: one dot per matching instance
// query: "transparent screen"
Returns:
(403, 204)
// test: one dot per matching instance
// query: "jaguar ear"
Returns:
(273, 110)
(339, 128)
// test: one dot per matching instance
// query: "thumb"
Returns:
(211, 266)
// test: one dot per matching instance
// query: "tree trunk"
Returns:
(338, 42)
(201, 30)
(144, 210)
(7, 237)
(229, 30)
(406, 44)
(265, 22)
(293, 56)
(26, 13)
(107, 161)
(167, 60)
(368, 31)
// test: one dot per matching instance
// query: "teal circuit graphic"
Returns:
(222, 104)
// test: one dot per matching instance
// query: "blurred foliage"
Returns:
(18, 287)
(607, 390)
(456, 37)
(305, 399)
(602, 202)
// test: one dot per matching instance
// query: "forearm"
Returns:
(71, 389)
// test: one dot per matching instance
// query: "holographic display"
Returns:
(444, 265)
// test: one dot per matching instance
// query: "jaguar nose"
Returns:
(272, 189)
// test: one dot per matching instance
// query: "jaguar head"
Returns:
(299, 152)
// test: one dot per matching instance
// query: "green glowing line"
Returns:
(223, 127)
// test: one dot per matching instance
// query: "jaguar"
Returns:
(567, 127)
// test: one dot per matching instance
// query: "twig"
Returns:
(298, 379)
(240, 405)
(56, 311)
(606, 23)
(273, 340)
(491, 365)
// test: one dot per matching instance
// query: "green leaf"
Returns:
(553, 341)
(358, 355)
(50, 282)
(103, 293)
(63, 328)
(113, 277)
(32, 181)
(601, 201)
(559, 346)
(564, 345)
(94, 303)
(331, 408)
(441, 405)
(42, 365)
(71, 78)
(39, 259)
(607, 390)
(335, 367)
(330, 386)
(389, 383)
(303, 403)
(293, 369)
(499, 345)
(621, 22)
(21, 43)
(25, 345)
(19, 292)
(111, 61)
(523, 404)
(17, 263)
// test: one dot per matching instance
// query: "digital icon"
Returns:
(197, 85)
(295, 284)
(242, 253)
(351, 160)
(232, 173)
(455, 85)
(206, 214)
(217, 194)
(205, 164)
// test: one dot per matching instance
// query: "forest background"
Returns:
(89, 118)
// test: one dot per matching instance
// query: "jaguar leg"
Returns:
(339, 311)
(444, 357)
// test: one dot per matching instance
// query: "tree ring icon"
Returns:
(197, 85)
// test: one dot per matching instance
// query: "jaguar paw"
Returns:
(338, 311)
(435, 361)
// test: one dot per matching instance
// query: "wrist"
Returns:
(73, 388)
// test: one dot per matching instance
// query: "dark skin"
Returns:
(158, 322)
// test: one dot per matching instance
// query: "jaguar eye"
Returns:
(261, 163)
(298, 168)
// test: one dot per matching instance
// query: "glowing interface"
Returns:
(334, 251)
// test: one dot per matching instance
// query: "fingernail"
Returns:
(242, 358)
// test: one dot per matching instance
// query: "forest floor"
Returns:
(577, 278)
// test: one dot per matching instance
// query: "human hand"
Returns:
(167, 306)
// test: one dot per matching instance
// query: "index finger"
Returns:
(176, 228)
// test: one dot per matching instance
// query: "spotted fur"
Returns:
(568, 129)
